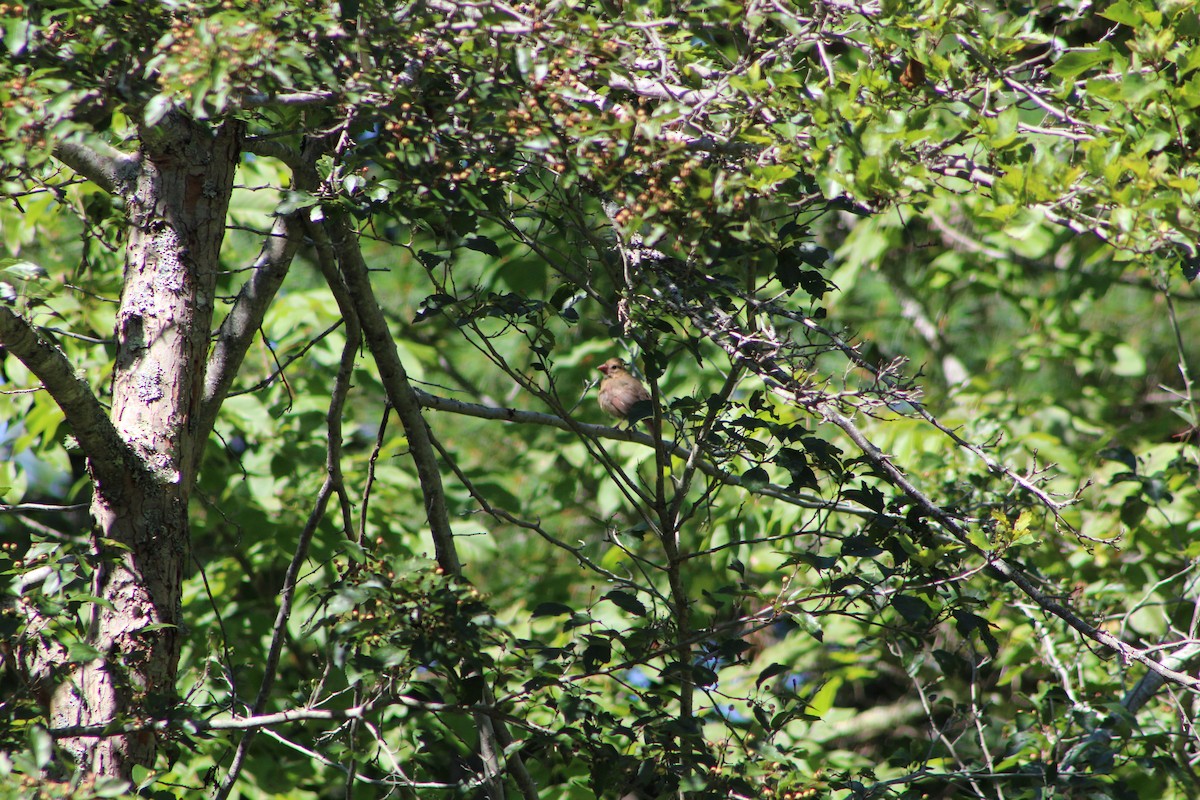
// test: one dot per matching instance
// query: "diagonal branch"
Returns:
(234, 337)
(399, 389)
(109, 456)
(105, 166)
(237, 331)
(495, 741)
(763, 362)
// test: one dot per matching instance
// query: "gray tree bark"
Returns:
(177, 205)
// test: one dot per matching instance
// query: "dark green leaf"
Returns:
(860, 546)
(913, 609)
(1121, 454)
(483, 245)
(551, 610)
(867, 496)
(814, 284)
(1075, 62)
(626, 602)
(770, 672)
(755, 478)
(597, 653)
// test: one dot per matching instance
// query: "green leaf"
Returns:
(1192, 61)
(1157, 489)
(913, 609)
(755, 478)
(952, 664)
(770, 672)
(16, 35)
(967, 623)
(294, 201)
(1006, 128)
(626, 602)
(822, 701)
(1073, 63)
(109, 786)
(1127, 361)
(1133, 510)
(867, 496)
(597, 653)
(1123, 12)
(551, 610)
(483, 245)
(1122, 454)
(82, 652)
(21, 269)
(159, 106)
(42, 746)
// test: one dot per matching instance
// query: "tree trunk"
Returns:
(141, 540)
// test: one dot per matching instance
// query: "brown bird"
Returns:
(619, 390)
(913, 76)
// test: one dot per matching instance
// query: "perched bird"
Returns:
(619, 391)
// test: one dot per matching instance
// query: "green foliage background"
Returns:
(1013, 235)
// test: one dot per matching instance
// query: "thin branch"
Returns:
(694, 459)
(256, 721)
(780, 378)
(965, 241)
(332, 485)
(494, 738)
(1185, 373)
(281, 367)
(341, 295)
(19, 508)
(313, 98)
(505, 516)
(369, 480)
